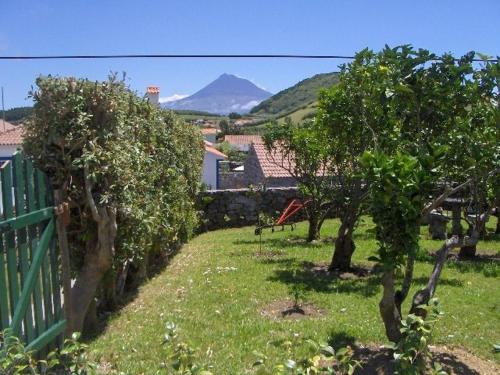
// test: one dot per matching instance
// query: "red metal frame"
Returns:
(293, 207)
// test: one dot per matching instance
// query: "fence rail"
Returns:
(30, 292)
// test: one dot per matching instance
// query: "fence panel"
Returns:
(30, 293)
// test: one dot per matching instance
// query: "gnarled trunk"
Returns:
(389, 311)
(344, 247)
(97, 261)
(314, 227)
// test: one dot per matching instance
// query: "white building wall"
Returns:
(6, 151)
(209, 176)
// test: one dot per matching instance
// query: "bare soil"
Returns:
(285, 309)
(455, 361)
(321, 269)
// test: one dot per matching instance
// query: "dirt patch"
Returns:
(285, 309)
(321, 270)
(455, 361)
(269, 254)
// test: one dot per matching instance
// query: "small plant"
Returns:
(412, 351)
(72, 359)
(297, 292)
(181, 358)
(321, 359)
(14, 359)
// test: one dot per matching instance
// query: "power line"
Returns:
(178, 56)
(191, 56)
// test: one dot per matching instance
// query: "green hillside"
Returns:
(294, 98)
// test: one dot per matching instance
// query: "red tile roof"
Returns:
(153, 89)
(8, 126)
(274, 164)
(12, 135)
(242, 139)
(209, 148)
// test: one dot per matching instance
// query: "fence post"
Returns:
(62, 220)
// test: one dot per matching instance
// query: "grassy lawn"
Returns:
(216, 287)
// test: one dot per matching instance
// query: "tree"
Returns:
(301, 150)
(352, 120)
(129, 173)
(224, 126)
(234, 116)
(441, 139)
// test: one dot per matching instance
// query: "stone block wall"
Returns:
(241, 207)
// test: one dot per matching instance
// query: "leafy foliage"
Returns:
(302, 151)
(322, 359)
(181, 358)
(397, 185)
(127, 169)
(412, 351)
(72, 359)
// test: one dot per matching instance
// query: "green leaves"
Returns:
(412, 351)
(142, 161)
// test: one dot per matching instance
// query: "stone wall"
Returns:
(232, 180)
(240, 207)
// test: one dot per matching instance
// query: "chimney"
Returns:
(153, 95)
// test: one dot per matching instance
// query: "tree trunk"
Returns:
(467, 252)
(314, 227)
(389, 311)
(91, 323)
(98, 260)
(423, 296)
(344, 248)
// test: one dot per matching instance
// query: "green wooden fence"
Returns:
(30, 292)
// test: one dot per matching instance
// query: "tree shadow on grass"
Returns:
(341, 339)
(367, 286)
(286, 262)
(293, 241)
(487, 264)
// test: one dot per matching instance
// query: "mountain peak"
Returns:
(228, 93)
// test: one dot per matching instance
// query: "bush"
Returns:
(128, 170)
(72, 359)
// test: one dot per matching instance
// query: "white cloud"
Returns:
(172, 98)
(250, 104)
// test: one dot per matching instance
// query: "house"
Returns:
(210, 176)
(271, 169)
(11, 139)
(242, 142)
(153, 95)
(209, 134)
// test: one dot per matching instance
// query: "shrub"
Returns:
(72, 359)
(129, 172)
(412, 351)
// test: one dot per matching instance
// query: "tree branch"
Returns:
(88, 194)
(423, 296)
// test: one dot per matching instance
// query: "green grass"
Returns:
(298, 115)
(215, 288)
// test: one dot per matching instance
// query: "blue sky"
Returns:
(220, 26)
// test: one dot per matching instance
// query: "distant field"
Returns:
(298, 115)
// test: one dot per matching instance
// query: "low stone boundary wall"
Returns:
(240, 207)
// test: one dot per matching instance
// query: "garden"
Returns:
(360, 287)
(227, 297)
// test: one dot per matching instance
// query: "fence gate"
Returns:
(30, 292)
